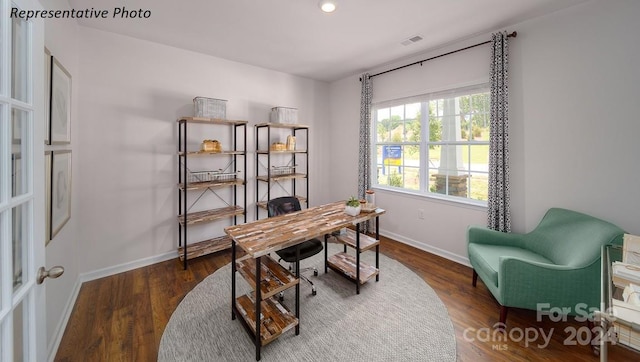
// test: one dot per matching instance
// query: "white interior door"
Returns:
(22, 304)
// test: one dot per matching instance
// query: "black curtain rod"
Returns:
(514, 34)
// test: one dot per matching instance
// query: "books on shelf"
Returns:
(625, 274)
(631, 249)
(627, 313)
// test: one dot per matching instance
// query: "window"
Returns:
(435, 144)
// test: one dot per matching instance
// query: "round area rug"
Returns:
(399, 318)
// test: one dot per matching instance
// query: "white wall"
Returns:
(62, 41)
(132, 92)
(576, 87)
(573, 127)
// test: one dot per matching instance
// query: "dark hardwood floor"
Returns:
(122, 317)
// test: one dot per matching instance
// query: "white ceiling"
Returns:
(295, 37)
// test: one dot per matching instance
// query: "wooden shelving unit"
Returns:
(204, 247)
(294, 183)
(346, 264)
(267, 278)
(209, 215)
(366, 241)
(276, 318)
(235, 158)
(273, 277)
(349, 265)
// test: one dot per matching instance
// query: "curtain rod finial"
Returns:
(514, 34)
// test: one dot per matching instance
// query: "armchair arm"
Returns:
(482, 235)
(525, 284)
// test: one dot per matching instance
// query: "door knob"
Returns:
(54, 272)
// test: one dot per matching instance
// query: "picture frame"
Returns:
(60, 107)
(60, 190)
(48, 60)
(47, 193)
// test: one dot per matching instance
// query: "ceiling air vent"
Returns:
(411, 40)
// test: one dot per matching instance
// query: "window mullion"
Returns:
(424, 146)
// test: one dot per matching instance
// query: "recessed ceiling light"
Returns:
(327, 6)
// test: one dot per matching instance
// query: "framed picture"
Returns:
(47, 197)
(60, 108)
(60, 190)
(48, 59)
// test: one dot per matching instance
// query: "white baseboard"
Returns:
(121, 268)
(97, 274)
(62, 324)
(428, 248)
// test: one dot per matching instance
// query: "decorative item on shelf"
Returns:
(211, 146)
(278, 146)
(210, 107)
(211, 176)
(283, 170)
(352, 206)
(370, 201)
(284, 115)
(291, 143)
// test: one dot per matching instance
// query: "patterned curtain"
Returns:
(364, 159)
(498, 213)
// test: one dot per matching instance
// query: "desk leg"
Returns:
(298, 288)
(258, 342)
(233, 279)
(326, 253)
(378, 247)
(357, 258)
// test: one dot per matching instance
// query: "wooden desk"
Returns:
(261, 237)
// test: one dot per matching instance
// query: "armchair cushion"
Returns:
(488, 257)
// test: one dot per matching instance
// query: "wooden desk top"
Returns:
(268, 235)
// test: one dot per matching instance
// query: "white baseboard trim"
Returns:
(62, 324)
(97, 274)
(121, 268)
(428, 248)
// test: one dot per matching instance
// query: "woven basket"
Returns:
(210, 107)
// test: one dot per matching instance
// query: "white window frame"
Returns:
(424, 143)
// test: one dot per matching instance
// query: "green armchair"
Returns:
(558, 263)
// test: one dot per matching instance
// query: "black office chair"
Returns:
(308, 248)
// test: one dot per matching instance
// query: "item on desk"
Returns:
(370, 196)
(631, 249)
(625, 274)
(352, 206)
(370, 201)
